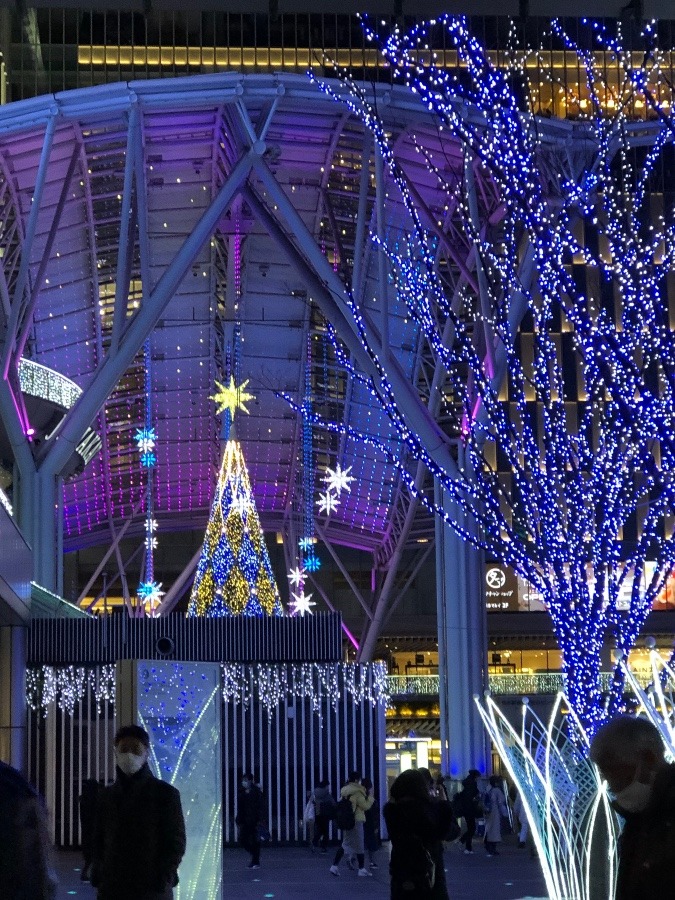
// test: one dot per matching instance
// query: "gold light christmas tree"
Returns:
(234, 575)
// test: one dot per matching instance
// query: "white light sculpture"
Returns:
(657, 700)
(572, 824)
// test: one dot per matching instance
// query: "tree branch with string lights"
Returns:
(559, 355)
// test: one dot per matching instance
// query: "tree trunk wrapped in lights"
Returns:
(234, 574)
(561, 393)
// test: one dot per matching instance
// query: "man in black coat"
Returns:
(139, 837)
(249, 818)
(629, 753)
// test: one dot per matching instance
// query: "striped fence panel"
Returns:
(289, 745)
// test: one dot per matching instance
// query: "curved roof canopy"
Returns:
(209, 213)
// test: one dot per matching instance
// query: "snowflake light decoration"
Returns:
(149, 592)
(312, 563)
(148, 460)
(297, 576)
(328, 502)
(338, 479)
(146, 439)
(305, 543)
(302, 604)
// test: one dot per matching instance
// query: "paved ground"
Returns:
(290, 873)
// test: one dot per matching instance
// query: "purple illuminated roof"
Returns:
(192, 134)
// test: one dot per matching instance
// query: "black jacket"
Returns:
(429, 820)
(25, 867)
(250, 807)
(647, 846)
(139, 838)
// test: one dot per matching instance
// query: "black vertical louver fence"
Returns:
(106, 639)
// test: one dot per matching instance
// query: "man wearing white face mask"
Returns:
(629, 754)
(139, 839)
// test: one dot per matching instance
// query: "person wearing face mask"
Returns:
(139, 838)
(629, 754)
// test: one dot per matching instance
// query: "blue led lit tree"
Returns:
(558, 353)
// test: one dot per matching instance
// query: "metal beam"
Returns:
(326, 289)
(23, 458)
(324, 596)
(142, 215)
(338, 562)
(381, 258)
(400, 594)
(29, 237)
(483, 286)
(381, 612)
(359, 245)
(177, 589)
(27, 318)
(125, 254)
(118, 537)
(56, 452)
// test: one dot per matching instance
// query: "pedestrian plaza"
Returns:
(292, 873)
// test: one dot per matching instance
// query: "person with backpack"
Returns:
(494, 802)
(417, 824)
(350, 816)
(324, 812)
(467, 805)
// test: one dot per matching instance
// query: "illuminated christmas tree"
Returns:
(234, 575)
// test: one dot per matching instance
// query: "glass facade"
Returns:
(57, 48)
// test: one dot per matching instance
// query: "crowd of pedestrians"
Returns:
(134, 831)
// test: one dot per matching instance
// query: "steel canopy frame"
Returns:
(250, 175)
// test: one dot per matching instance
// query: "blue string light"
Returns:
(583, 500)
(149, 591)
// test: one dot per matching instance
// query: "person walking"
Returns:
(139, 836)
(26, 872)
(249, 818)
(352, 837)
(495, 808)
(324, 812)
(521, 818)
(416, 824)
(371, 827)
(468, 807)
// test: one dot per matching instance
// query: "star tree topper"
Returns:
(231, 397)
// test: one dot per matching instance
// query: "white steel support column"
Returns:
(44, 533)
(462, 644)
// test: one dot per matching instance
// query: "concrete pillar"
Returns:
(13, 715)
(462, 644)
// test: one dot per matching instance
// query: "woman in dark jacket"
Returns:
(416, 823)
